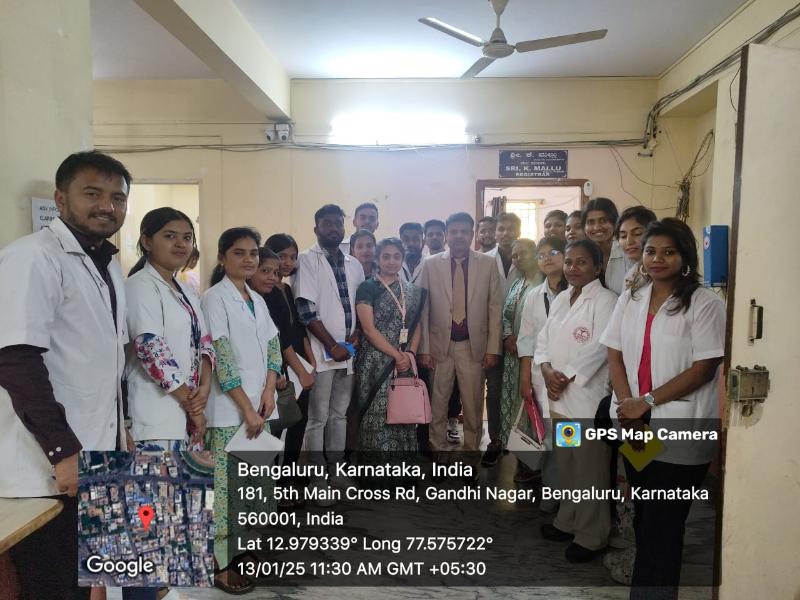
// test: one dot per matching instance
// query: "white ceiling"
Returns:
(382, 38)
(128, 44)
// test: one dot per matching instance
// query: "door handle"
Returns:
(755, 328)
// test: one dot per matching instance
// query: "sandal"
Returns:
(245, 585)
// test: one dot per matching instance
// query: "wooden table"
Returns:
(19, 517)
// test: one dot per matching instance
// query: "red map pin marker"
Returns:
(146, 515)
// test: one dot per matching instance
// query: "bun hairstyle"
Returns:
(685, 243)
(153, 222)
(226, 241)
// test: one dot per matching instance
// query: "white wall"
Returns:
(46, 100)
(279, 189)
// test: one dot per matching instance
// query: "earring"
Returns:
(642, 271)
(686, 270)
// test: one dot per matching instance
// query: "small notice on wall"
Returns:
(43, 210)
(533, 163)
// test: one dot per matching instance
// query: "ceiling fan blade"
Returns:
(453, 31)
(561, 40)
(476, 68)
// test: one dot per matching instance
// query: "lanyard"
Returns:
(401, 304)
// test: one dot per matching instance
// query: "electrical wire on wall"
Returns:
(255, 147)
(685, 184)
(731, 59)
(650, 129)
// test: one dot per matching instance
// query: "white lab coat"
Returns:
(53, 297)
(316, 282)
(513, 272)
(677, 341)
(570, 342)
(227, 315)
(534, 316)
(617, 269)
(155, 307)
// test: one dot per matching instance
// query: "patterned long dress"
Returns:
(371, 365)
(512, 315)
(227, 503)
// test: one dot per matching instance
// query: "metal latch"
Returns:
(748, 386)
(755, 326)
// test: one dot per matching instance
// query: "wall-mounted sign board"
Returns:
(533, 163)
(43, 210)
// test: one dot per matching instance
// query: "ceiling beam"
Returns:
(217, 33)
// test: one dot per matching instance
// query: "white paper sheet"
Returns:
(274, 414)
(295, 378)
(266, 445)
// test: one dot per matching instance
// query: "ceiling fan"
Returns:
(498, 47)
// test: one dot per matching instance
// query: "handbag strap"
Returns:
(413, 367)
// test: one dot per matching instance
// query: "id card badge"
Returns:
(404, 336)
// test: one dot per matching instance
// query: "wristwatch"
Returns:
(650, 399)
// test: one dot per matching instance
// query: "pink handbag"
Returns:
(408, 399)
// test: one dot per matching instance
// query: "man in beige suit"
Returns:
(461, 328)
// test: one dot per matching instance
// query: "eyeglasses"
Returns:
(552, 252)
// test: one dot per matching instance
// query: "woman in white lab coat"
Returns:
(575, 371)
(248, 363)
(665, 343)
(170, 357)
(599, 219)
(550, 259)
(629, 232)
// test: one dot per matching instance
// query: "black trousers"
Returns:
(47, 561)
(660, 527)
(294, 435)
(454, 404)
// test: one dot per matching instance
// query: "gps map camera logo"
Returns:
(568, 434)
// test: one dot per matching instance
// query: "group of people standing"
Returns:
(602, 318)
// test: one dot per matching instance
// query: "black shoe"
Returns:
(554, 534)
(493, 453)
(575, 553)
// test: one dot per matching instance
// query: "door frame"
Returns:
(730, 296)
(116, 239)
(156, 181)
(482, 184)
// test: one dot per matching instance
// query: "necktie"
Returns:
(459, 294)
